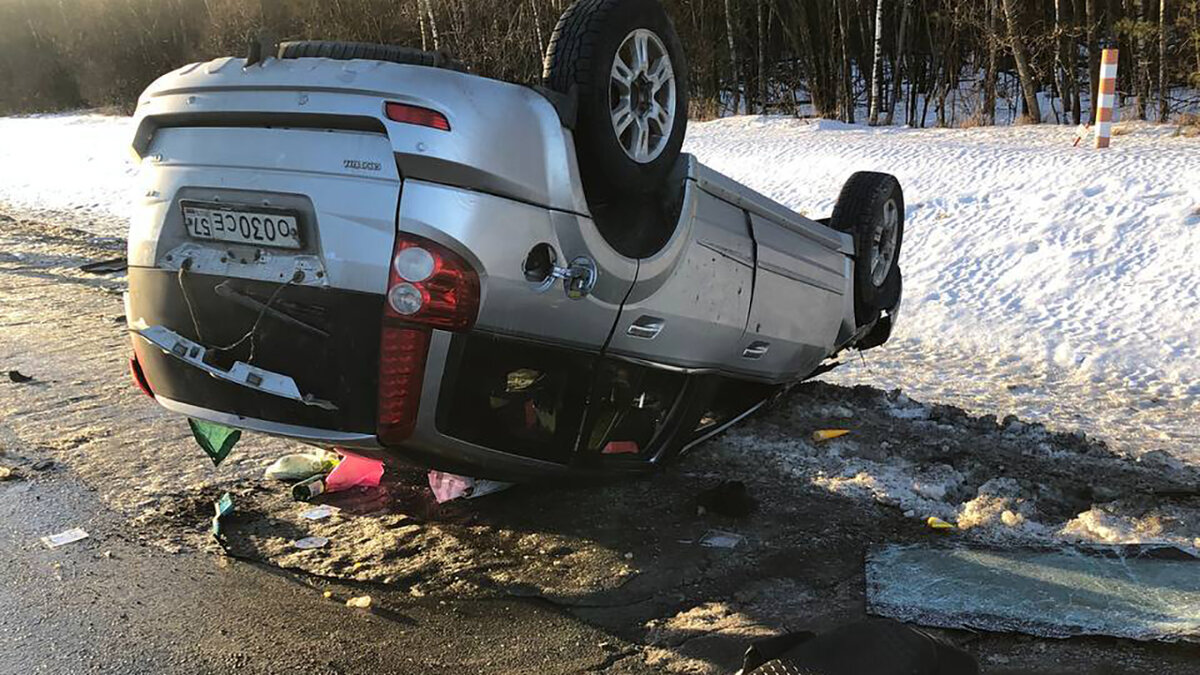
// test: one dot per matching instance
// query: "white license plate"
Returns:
(242, 226)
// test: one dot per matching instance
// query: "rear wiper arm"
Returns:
(225, 291)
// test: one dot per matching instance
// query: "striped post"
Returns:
(1106, 97)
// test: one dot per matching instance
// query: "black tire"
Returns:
(860, 211)
(578, 62)
(346, 51)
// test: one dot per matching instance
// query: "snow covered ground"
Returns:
(1056, 282)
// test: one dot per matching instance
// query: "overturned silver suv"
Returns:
(366, 247)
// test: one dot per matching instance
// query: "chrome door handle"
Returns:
(756, 350)
(645, 327)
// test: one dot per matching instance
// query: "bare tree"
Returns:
(847, 70)
(733, 59)
(762, 56)
(1164, 107)
(898, 61)
(1024, 70)
(1093, 47)
(877, 66)
(993, 48)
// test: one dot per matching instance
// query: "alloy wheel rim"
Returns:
(642, 96)
(883, 243)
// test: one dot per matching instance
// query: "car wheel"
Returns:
(871, 208)
(623, 61)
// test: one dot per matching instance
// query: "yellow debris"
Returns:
(361, 602)
(827, 434)
(327, 594)
(939, 524)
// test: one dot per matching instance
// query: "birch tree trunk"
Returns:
(1024, 70)
(421, 21)
(877, 66)
(433, 28)
(537, 26)
(733, 60)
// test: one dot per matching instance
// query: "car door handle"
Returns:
(756, 350)
(646, 327)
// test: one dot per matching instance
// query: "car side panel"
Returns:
(496, 234)
(798, 301)
(691, 301)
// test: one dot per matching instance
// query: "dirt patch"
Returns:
(623, 556)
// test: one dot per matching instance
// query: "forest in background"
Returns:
(918, 62)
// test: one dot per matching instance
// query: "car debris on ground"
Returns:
(65, 537)
(17, 377)
(354, 471)
(1141, 592)
(319, 512)
(828, 434)
(216, 440)
(721, 539)
(449, 486)
(222, 507)
(309, 488)
(309, 543)
(105, 266)
(302, 465)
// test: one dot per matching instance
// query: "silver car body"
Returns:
(744, 287)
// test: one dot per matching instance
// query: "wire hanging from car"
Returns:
(250, 334)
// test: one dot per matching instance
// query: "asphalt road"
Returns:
(109, 604)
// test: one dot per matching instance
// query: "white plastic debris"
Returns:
(448, 486)
(301, 465)
(63, 538)
(319, 512)
(721, 539)
(308, 543)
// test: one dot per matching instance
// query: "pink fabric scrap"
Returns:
(353, 471)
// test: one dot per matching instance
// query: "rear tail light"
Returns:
(411, 114)
(139, 377)
(429, 287)
(401, 370)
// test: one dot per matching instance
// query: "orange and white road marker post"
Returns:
(1106, 97)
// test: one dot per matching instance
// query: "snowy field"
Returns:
(1055, 282)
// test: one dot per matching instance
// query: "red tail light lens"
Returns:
(411, 114)
(429, 286)
(139, 377)
(401, 371)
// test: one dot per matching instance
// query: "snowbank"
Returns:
(1040, 278)
(78, 165)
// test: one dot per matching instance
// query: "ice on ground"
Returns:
(1056, 282)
